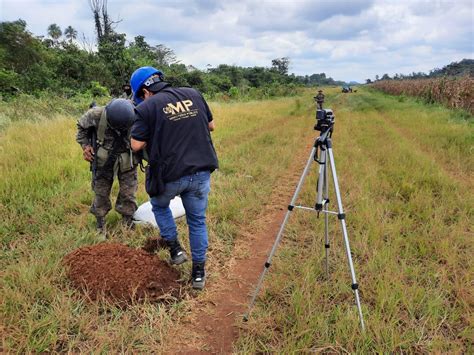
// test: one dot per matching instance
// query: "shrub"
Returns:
(8, 80)
(98, 90)
(234, 92)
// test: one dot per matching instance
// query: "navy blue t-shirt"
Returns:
(175, 124)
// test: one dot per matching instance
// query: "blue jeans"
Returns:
(194, 190)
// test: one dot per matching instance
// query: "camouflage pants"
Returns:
(126, 204)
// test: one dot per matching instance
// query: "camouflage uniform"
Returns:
(126, 171)
(126, 96)
(127, 92)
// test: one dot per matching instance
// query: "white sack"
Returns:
(144, 213)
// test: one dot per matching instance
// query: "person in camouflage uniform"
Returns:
(319, 98)
(113, 158)
(127, 92)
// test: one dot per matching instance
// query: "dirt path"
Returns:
(216, 324)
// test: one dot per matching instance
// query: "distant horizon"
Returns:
(346, 40)
(352, 82)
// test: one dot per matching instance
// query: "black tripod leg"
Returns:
(280, 232)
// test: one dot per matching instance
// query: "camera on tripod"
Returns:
(324, 120)
(323, 144)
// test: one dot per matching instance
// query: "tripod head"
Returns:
(324, 124)
(324, 117)
(324, 120)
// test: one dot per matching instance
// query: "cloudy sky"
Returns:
(347, 40)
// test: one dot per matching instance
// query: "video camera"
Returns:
(324, 120)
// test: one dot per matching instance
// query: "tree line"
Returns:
(60, 65)
(456, 69)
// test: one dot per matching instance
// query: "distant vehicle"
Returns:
(346, 89)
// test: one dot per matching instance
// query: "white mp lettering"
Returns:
(176, 109)
(188, 104)
(180, 106)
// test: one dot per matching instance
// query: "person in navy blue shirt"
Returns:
(173, 125)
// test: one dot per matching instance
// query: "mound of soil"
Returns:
(121, 274)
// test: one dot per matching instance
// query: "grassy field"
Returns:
(405, 172)
(44, 201)
(406, 176)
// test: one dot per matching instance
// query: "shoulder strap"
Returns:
(102, 127)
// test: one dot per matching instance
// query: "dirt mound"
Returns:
(121, 274)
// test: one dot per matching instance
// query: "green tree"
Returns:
(117, 61)
(140, 52)
(54, 31)
(234, 73)
(8, 80)
(19, 50)
(281, 65)
(71, 67)
(70, 33)
(163, 56)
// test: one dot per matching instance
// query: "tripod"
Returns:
(324, 144)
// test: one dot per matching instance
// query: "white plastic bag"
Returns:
(144, 214)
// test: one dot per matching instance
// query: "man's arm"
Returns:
(139, 133)
(210, 119)
(89, 121)
(137, 145)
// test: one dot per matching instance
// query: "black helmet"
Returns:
(120, 113)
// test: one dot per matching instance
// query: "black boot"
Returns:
(100, 224)
(198, 275)
(176, 252)
(100, 227)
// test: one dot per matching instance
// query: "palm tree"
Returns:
(70, 33)
(54, 31)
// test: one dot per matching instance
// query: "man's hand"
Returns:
(88, 153)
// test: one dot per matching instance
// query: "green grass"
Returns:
(405, 172)
(24, 107)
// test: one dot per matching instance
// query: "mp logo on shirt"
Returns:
(178, 107)
(179, 110)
